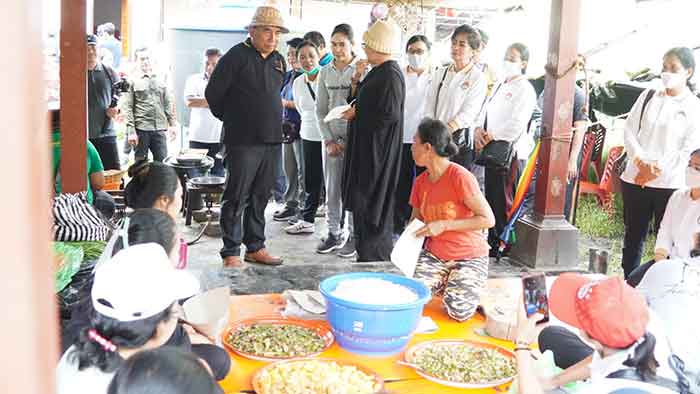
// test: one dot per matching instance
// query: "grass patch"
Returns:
(596, 224)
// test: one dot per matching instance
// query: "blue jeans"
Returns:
(280, 180)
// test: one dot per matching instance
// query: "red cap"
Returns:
(609, 311)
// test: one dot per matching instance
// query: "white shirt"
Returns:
(622, 386)
(681, 221)
(602, 367)
(670, 132)
(416, 97)
(672, 289)
(69, 380)
(508, 112)
(204, 127)
(306, 105)
(461, 96)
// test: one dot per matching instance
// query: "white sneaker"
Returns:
(301, 227)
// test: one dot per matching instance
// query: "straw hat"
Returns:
(268, 16)
(383, 37)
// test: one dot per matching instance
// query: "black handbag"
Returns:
(461, 138)
(465, 153)
(496, 154)
(290, 132)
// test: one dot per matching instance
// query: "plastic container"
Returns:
(373, 330)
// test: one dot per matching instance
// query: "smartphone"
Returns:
(535, 295)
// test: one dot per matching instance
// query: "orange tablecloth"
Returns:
(399, 379)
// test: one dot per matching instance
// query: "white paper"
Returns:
(407, 249)
(336, 113)
(306, 302)
(426, 325)
(209, 311)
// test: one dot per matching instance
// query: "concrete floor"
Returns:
(303, 268)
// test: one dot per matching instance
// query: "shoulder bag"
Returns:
(620, 165)
(460, 137)
(497, 153)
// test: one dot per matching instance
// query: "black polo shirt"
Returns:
(244, 92)
(99, 89)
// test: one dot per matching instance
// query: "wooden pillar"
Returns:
(546, 239)
(73, 74)
(28, 335)
(124, 29)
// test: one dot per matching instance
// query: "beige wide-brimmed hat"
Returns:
(268, 16)
(383, 36)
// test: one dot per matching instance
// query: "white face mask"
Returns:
(417, 62)
(672, 80)
(692, 177)
(512, 69)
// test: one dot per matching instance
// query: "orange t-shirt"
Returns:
(444, 200)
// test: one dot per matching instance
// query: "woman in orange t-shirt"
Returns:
(446, 197)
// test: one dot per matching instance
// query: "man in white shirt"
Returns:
(205, 129)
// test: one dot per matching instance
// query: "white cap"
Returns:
(139, 282)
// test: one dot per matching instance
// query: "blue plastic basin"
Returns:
(375, 330)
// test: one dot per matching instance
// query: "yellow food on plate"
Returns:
(316, 377)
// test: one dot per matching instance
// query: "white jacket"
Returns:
(670, 132)
(508, 112)
(306, 105)
(461, 96)
(417, 87)
(681, 221)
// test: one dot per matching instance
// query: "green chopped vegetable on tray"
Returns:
(67, 260)
(276, 340)
(465, 363)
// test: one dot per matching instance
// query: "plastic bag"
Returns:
(70, 258)
(545, 366)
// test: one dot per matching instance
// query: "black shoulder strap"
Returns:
(437, 95)
(486, 101)
(631, 374)
(311, 90)
(111, 74)
(647, 98)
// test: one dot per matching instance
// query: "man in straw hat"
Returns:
(375, 138)
(244, 92)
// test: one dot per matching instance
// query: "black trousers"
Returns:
(212, 150)
(567, 347)
(155, 141)
(640, 205)
(251, 174)
(372, 243)
(109, 153)
(637, 275)
(495, 188)
(217, 358)
(313, 178)
(407, 175)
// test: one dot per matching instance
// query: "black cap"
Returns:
(91, 39)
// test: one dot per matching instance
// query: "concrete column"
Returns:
(545, 239)
(73, 74)
(28, 334)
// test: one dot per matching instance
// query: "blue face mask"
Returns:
(313, 71)
(326, 59)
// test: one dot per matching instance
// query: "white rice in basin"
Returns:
(374, 292)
